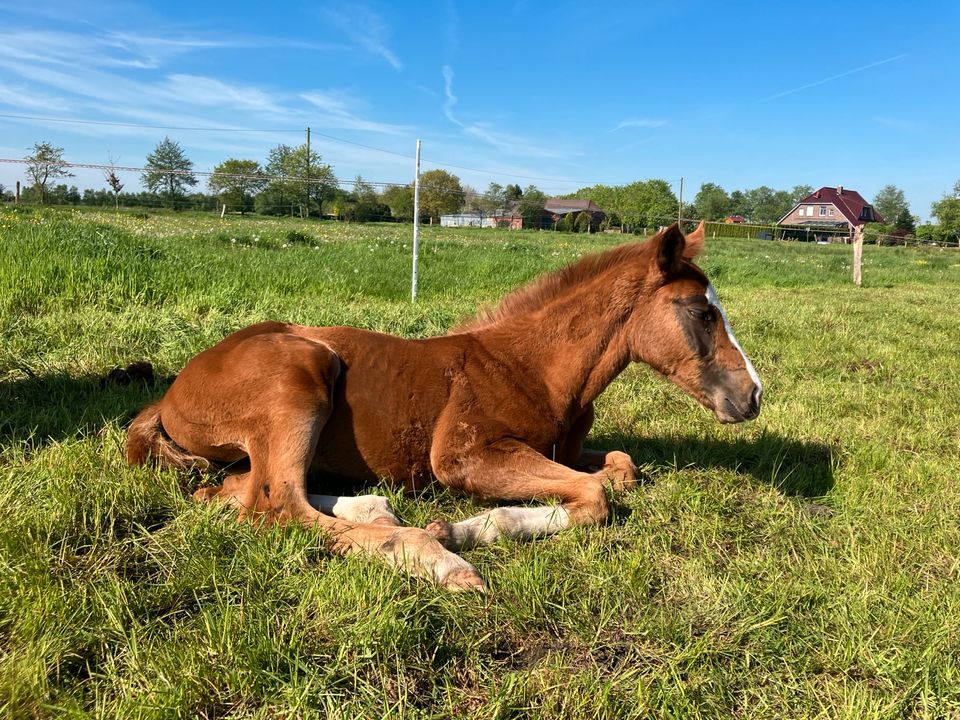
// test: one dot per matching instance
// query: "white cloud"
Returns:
(640, 123)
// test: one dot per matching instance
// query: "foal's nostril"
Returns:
(755, 400)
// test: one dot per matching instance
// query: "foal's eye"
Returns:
(701, 314)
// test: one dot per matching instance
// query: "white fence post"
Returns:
(416, 227)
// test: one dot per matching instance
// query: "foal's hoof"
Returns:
(464, 580)
(442, 532)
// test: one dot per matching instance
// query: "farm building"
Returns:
(506, 220)
(556, 209)
(827, 214)
(467, 220)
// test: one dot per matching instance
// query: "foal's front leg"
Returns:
(617, 466)
(512, 470)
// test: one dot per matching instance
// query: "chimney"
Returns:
(839, 189)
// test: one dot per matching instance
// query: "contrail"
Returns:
(837, 77)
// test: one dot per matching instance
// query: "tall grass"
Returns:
(803, 565)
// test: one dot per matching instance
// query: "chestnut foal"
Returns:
(499, 408)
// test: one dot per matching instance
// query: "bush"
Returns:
(296, 236)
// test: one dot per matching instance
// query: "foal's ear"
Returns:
(669, 246)
(695, 241)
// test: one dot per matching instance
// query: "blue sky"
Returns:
(560, 95)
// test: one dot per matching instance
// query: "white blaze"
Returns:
(715, 301)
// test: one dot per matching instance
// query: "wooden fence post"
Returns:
(858, 254)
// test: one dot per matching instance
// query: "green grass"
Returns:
(803, 565)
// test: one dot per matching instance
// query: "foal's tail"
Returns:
(147, 440)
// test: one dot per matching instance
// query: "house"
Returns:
(827, 214)
(467, 220)
(556, 209)
(734, 219)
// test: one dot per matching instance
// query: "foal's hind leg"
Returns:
(511, 470)
(288, 411)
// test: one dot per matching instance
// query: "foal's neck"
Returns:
(575, 341)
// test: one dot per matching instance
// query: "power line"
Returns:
(332, 138)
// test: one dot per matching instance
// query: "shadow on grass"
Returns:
(41, 409)
(795, 468)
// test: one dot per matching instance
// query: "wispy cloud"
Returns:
(451, 100)
(106, 78)
(484, 132)
(900, 124)
(451, 30)
(837, 76)
(366, 29)
(21, 98)
(339, 112)
(640, 123)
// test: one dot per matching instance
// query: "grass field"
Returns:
(803, 565)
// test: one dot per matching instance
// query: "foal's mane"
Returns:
(552, 285)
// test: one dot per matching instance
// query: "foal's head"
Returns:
(684, 333)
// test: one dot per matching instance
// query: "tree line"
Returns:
(296, 181)
(293, 181)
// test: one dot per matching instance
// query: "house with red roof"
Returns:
(828, 213)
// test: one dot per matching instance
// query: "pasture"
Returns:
(806, 564)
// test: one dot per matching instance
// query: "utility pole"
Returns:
(308, 172)
(416, 225)
(680, 207)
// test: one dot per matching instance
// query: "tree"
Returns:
(296, 183)
(711, 202)
(114, 182)
(399, 198)
(235, 182)
(889, 202)
(768, 205)
(530, 206)
(366, 206)
(280, 194)
(947, 212)
(315, 179)
(496, 198)
(905, 223)
(647, 204)
(440, 193)
(168, 172)
(798, 193)
(513, 192)
(740, 204)
(46, 163)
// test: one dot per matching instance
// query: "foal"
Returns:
(499, 408)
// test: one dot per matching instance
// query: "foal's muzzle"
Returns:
(734, 410)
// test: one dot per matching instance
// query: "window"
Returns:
(831, 211)
(823, 210)
(803, 211)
